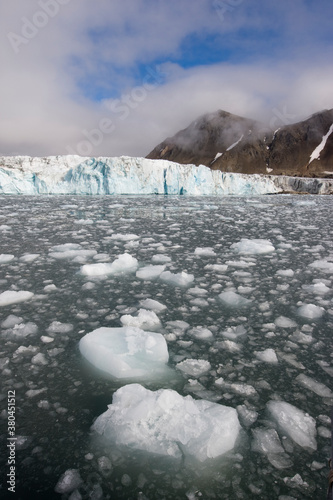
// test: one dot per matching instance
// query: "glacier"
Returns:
(75, 175)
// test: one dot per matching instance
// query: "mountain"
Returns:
(230, 143)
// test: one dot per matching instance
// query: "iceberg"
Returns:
(127, 352)
(75, 175)
(167, 424)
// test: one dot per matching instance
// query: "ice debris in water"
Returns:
(5, 258)
(124, 263)
(284, 322)
(69, 481)
(252, 247)
(165, 423)
(317, 288)
(150, 272)
(314, 386)
(296, 424)
(145, 320)
(12, 297)
(204, 252)
(71, 251)
(268, 356)
(181, 279)
(153, 305)
(11, 321)
(126, 352)
(323, 265)
(232, 299)
(201, 333)
(194, 367)
(267, 441)
(310, 311)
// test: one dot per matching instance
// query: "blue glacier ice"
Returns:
(75, 175)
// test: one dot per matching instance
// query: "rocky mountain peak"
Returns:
(231, 143)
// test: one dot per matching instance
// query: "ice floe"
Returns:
(127, 352)
(165, 423)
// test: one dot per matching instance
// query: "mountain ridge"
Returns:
(231, 143)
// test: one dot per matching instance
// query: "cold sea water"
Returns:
(265, 314)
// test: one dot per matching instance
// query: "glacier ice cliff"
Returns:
(75, 175)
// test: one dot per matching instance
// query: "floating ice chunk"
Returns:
(229, 345)
(21, 331)
(150, 272)
(201, 333)
(314, 386)
(217, 268)
(125, 237)
(284, 322)
(232, 299)
(194, 367)
(181, 279)
(310, 311)
(317, 288)
(268, 356)
(11, 321)
(46, 339)
(266, 441)
(123, 264)
(247, 417)
(165, 423)
(70, 251)
(323, 265)
(240, 263)
(296, 424)
(11, 297)
(233, 332)
(39, 359)
(29, 257)
(238, 388)
(31, 393)
(178, 324)
(199, 292)
(146, 320)
(160, 259)
(153, 305)
(5, 258)
(126, 352)
(68, 482)
(50, 288)
(287, 273)
(302, 338)
(58, 327)
(253, 247)
(204, 252)
(295, 482)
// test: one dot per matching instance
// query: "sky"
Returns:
(116, 77)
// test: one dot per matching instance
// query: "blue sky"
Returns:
(115, 77)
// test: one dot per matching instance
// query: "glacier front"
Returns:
(75, 175)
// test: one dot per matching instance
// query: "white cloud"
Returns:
(45, 110)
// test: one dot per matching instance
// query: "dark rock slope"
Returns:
(230, 143)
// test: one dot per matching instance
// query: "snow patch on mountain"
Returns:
(316, 153)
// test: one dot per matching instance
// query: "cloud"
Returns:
(112, 78)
